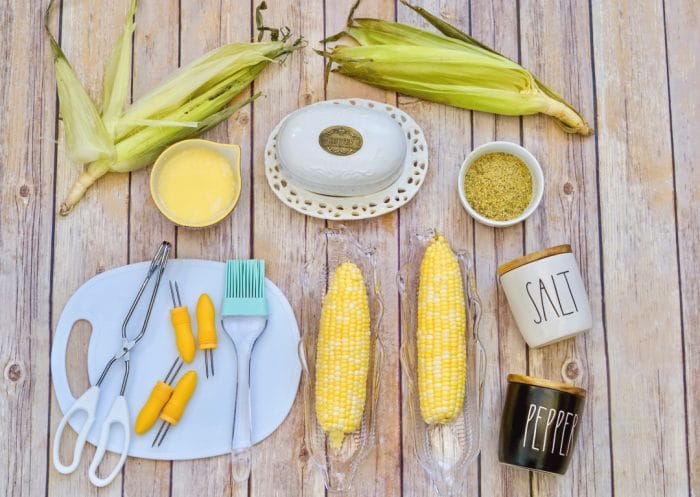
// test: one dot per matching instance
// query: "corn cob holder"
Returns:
(337, 444)
(444, 409)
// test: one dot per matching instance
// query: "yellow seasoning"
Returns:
(498, 186)
(197, 186)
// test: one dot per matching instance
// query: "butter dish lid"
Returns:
(342, 149)
(350, 159)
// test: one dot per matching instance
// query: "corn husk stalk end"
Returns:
(93, 172)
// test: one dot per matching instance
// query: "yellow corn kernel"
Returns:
(342, 354)
(441, 334)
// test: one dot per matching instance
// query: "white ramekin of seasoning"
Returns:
(507, 148)
(546, 295)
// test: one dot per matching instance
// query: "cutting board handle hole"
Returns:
(76, 357)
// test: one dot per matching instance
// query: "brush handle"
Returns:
(241, 423)
(240, 465)
(242, 427)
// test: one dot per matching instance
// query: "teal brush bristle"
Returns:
(245, 288)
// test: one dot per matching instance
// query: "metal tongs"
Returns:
(119, 413)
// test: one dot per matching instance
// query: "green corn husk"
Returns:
(450, 68)
(452, 77)
(115, 85)
(87, 138)
(202, 75)
(192, 100)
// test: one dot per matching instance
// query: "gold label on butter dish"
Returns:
(340, 140)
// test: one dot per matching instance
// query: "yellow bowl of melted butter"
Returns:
(196, 183)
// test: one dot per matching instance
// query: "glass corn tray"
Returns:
(443, 450)
(332, 247)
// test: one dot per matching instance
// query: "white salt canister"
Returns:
(546, 295)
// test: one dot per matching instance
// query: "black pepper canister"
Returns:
(540, 423)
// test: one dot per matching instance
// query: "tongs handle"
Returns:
(118, 416)
(86, 403)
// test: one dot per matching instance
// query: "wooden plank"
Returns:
(26, 202)
(639, 251)
(280, 236)
(93, 237)
(555, 45)
(380, 474)
(682, 19)
(202, 30)
(496, 24)
(155, 55)
(437, 205)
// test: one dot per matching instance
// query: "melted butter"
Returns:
(196, 186)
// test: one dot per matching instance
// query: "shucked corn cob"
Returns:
(342, 359)
(441, 335)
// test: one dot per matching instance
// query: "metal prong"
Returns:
(171, 370)
(164, 433)
(206, 362)
(177, 371)
(168, 378)
(211, 360)
(177, 291)
(172, 293)
(162, 425)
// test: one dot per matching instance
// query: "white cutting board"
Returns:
(206, 427)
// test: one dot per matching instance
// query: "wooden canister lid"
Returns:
(540, 382)
(534, 256)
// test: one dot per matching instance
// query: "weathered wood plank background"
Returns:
(627, 200)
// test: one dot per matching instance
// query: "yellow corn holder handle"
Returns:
(180, 319)
(206, 327)
(148, 415)
(172, 412)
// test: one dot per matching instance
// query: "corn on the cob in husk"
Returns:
(194, 99)
(441, 334)
(450, 68)
(342, 354)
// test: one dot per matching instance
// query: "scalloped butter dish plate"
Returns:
(206, 425)
(346, 159)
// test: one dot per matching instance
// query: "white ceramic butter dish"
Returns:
(341, 150)
(346, 159)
